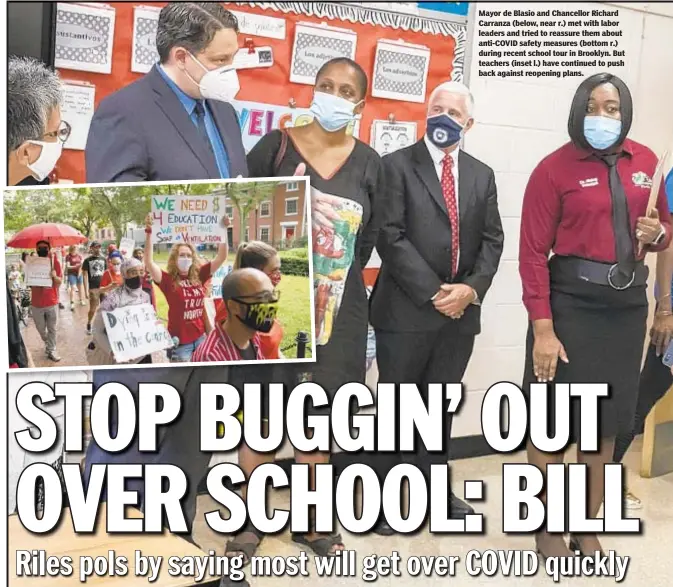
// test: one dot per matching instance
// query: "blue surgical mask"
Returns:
(443, 131)
(332, 112)
(601, 132)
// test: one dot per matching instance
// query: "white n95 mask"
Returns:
(46, 161)
(218, 84)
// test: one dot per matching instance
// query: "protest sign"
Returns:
(38, 271)
(188, 219)
(135, 331)
(217, 278)
(126, 246)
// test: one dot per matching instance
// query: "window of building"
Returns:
(265, 209)
(292, 186)
(291, 206)
(229, 211)
(264, 234)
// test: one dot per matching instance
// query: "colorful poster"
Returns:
(258, 119)
(336, 222)
(188, 219)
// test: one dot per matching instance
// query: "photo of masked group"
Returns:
(332, 193)
(169, 291)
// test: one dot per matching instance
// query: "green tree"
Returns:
(24, 208)
(186, 189)
(86, 212)
(121, 206)
(245, 197)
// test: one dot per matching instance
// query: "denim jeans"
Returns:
(75, 280)
(183, 354)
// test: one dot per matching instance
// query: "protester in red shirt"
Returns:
(183, 285)
(112, 278)
(73, 264)
(44, 301)
(587, 204)
(262, 256)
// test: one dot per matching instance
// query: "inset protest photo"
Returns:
(128, 274)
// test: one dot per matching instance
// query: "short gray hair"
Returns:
(191, 25)
(455, 88)
(33, 91)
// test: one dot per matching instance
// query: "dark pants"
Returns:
(655, 381)
(438, 356)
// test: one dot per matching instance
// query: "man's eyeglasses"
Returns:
(62, 134)
(266, 297)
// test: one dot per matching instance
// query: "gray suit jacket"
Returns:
(143, 133)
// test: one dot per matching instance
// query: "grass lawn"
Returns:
(294, 311)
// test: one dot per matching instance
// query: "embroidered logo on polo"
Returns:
(642, 180)
(589, 183)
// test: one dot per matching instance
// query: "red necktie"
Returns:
(449, 191)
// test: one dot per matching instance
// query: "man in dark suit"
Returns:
(175, 123)
(440, 244)
(151, 130)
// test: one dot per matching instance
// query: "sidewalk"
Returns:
(71, 340)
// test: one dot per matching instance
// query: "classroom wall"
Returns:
(520, 122)
(255, 83)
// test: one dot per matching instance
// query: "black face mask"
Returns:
(259, 316)
(133, 282)
(42, 252)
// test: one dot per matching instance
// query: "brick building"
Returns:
(279, 221)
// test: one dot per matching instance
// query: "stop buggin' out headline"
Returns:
(404, 416)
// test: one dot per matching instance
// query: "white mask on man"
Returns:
(218, 84)
(47, 159)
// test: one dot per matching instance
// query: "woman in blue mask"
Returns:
(587, 204)
(345, 175)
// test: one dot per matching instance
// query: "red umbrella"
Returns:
(57, 235)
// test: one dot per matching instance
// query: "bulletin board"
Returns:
(446, 41)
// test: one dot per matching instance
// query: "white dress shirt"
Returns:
(437, 156)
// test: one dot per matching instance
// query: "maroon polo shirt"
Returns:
(567, 209)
